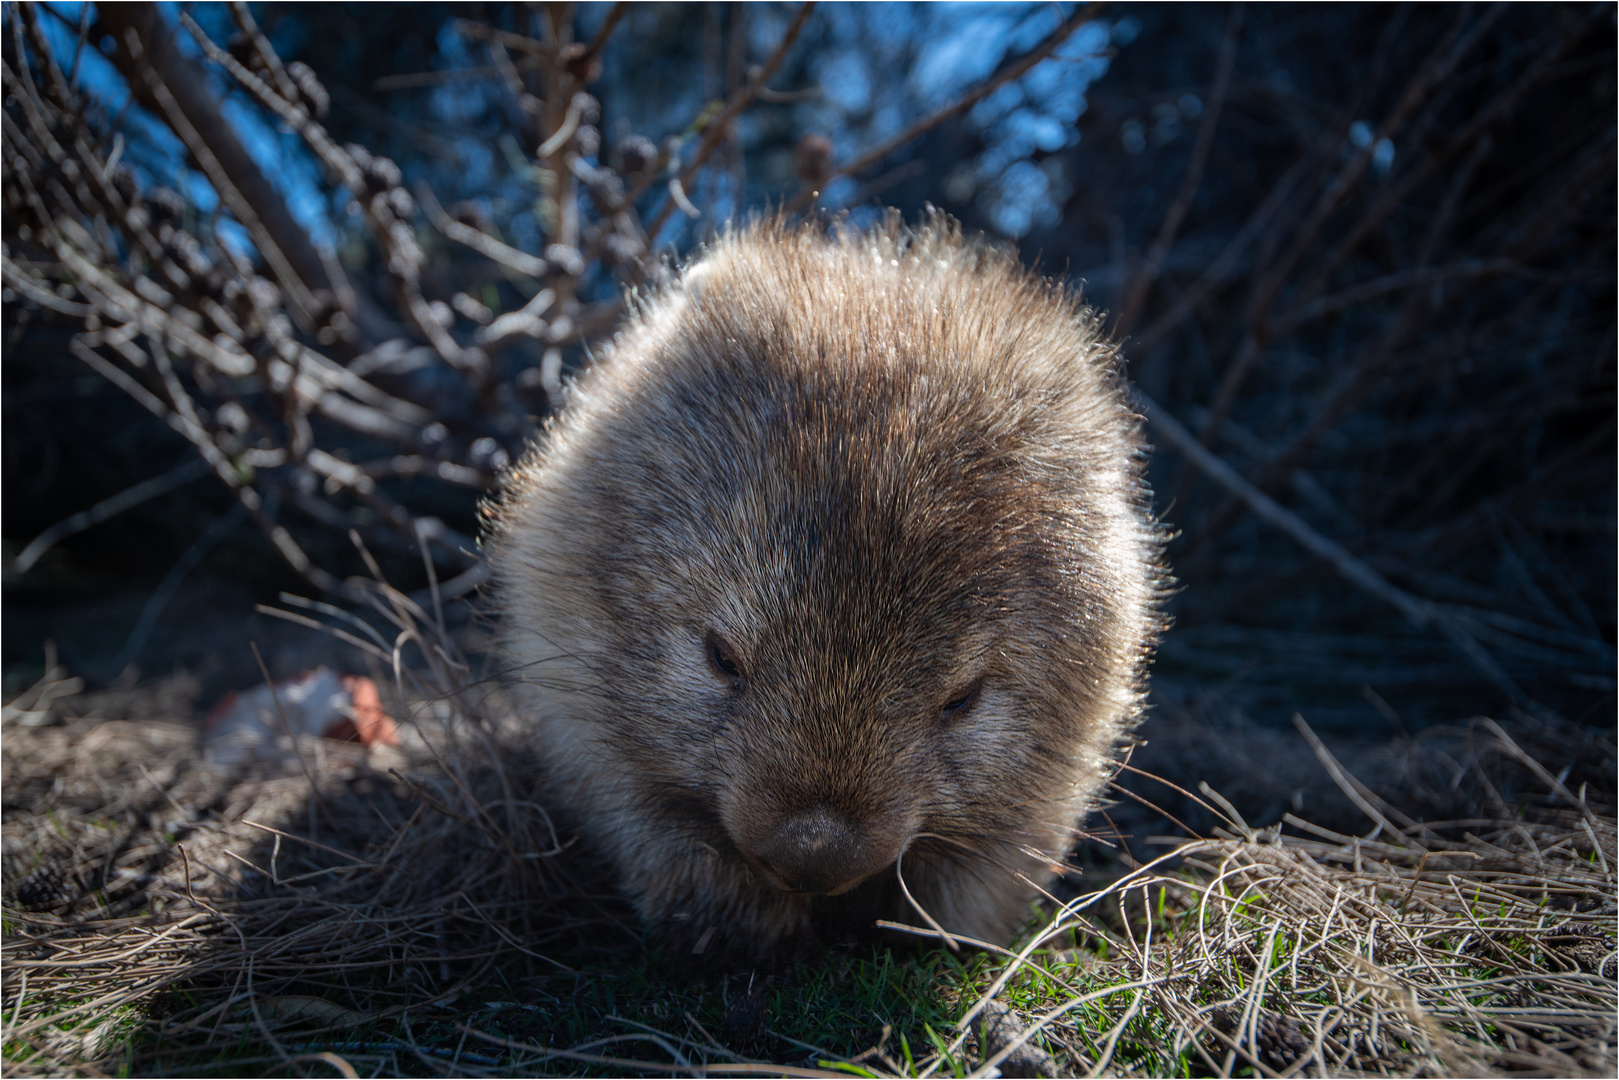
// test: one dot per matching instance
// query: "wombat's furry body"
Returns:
(840, 557)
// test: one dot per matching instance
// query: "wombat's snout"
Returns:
(818, 851)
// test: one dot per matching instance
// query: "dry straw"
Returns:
(161, 916)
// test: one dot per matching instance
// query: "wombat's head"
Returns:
(843, 546)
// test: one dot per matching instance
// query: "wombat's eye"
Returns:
(723, 661)
(961, 704)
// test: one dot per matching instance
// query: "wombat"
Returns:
(837, 570)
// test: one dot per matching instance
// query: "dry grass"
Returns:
(1481, 948)
(389, 880)
(416, 911)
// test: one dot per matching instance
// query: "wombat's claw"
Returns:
(745, 1011)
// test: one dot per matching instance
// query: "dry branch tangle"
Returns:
(244, 385)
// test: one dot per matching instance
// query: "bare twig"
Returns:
(1135, 293)
(1010, 72)
(719, 128)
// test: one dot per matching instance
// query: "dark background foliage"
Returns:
(1361, 256)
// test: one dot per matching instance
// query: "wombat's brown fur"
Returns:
(840, 557)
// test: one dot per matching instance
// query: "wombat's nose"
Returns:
(817, 851)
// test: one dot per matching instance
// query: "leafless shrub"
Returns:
(1375, 334)
(293, 389)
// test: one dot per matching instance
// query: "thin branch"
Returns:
(202, 150)
(619, 10)
(719, 128)
(1415, 278)
(1013, 71)
(1420, 613)
(182, 474)
(478, 240)
(1135, 294)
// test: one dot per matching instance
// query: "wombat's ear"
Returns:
(696, 277)
(715, 267)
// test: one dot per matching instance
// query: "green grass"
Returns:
(868, 1013)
